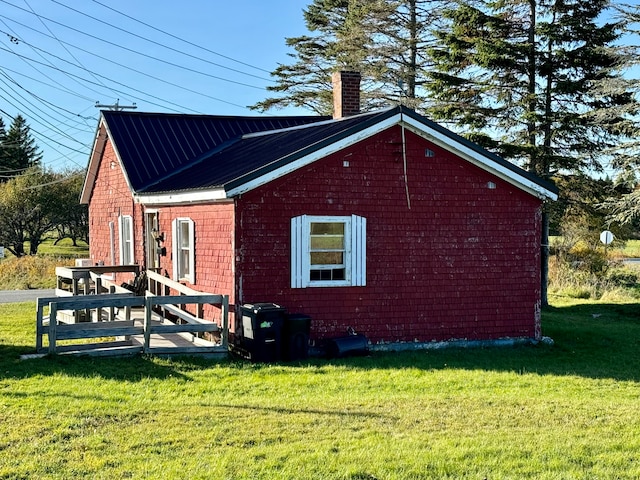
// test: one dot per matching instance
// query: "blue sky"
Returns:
(61, 57)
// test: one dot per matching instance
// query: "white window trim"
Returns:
(175, 243)
(355, 251)
(126, 245)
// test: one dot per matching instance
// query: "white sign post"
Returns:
(606, 237)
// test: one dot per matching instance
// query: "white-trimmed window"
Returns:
(183, 249)
(328, 251)
(125, 233)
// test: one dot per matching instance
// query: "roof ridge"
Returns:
(314, 124)
(209, 116)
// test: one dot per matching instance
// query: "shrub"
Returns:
(32, 271)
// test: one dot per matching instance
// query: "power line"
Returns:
(84, 67)
(137, 52)
(166, 46)
(16, 38)
(128, 68)
(61, 43)
(40, 99)
(56, 87)
(112, 89)
(179, 38)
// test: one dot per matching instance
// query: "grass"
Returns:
(631, 249)
(562, 411)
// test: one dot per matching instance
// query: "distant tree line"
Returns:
(36, 203)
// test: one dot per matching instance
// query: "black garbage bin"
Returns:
(261, 336)
(295, 337)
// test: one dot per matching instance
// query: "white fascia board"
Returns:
(97, 151)
(477, 159)
(314, 156)
(181, 198)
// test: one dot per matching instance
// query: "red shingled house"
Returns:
(385, 221)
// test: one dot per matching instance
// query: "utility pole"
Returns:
(116, 106)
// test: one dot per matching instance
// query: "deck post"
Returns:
(39, 325)
(147, 324)
(112, 310)
(225, 321)
(53, 323)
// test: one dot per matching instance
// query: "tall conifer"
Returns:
(20, 151)
(541, 83)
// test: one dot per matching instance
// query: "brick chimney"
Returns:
(346, 94)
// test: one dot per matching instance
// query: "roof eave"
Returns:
(483, 159)
(302, 158)
(183, 197)
(94, 162)
(417, 124)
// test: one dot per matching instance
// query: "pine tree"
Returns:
(539, 83)
(20, 151)
(385, 40)
(4, 146)
(625, 208)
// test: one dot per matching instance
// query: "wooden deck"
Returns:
(121, 323)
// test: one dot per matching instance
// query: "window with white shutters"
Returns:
(328, 251)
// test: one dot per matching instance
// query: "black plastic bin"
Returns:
(295, 337)
(349, 345)
(261, 331)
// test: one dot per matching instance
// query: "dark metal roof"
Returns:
(153, 146)
(250, 157)
(244, 159)
(171, 153)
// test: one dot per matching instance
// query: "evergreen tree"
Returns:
(539, 83)
(20, 151)
(385, 40)
(4, 146)
(625, 208)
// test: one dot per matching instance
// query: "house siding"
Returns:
(213, 224)
(447, 256)
(111, 198)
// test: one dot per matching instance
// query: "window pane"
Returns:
(184, 234)
(327, 242)
(184, 263)
(334, 228)
(126, 229)
(330, 274)
(327, 258)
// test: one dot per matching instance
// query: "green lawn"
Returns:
(563, 411)
(631, 249)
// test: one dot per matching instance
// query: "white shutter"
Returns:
(174, 248)
(358, 251)
(120, 239)
(130, 243)
(192, 252)
(125, 237)
(297, 252)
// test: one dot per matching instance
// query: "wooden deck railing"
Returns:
(77, 277)
(151, 324)
(57, 331)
